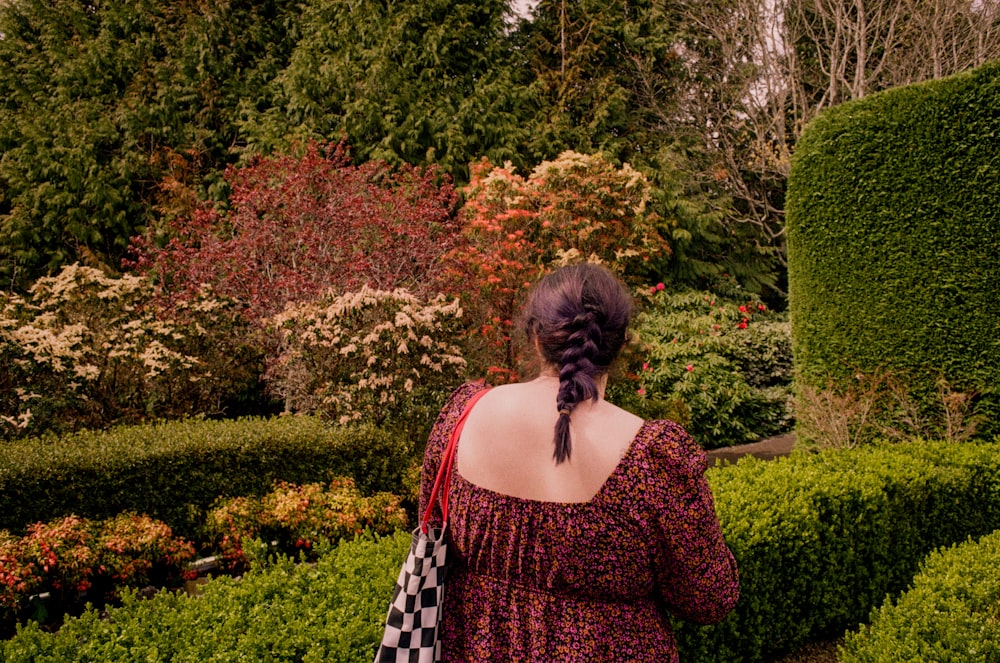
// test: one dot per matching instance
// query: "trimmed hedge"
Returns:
(820, 540)
(331, 611)
(893, 234)
(951, 614)
(174, 471)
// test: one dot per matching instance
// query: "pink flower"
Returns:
(641, 391)
(660, 286)
(690, 367)
(645, 366)
(652, 289)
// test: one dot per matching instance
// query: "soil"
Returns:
(822, 651)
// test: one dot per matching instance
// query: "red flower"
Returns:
(690, 367)
(743, 309)
(742, 325)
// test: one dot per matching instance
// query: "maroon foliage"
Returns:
(298, 226)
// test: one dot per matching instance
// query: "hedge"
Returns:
(893, 233)
(951, 614)
(331, 611)
(820, 540)
(174, 471)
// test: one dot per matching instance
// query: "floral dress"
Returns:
(595, 581)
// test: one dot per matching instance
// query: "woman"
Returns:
(577, 545)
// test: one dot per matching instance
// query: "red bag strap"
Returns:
(443, 479)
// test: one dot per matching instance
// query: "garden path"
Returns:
(772, 447)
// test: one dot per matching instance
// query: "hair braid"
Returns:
(577, 376)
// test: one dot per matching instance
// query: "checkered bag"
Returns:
(411, 628)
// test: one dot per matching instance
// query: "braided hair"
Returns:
(578, 317)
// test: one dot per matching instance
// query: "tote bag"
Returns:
(411, 627)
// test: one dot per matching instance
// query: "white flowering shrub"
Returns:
(383, 357)
(84, 350)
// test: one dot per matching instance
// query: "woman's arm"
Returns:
(695, 570)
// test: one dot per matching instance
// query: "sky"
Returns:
(522, 7)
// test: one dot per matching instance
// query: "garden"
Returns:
(220, 360)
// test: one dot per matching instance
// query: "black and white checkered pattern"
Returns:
(411, 628)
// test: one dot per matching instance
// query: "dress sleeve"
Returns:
(694, 570)
(438, 440)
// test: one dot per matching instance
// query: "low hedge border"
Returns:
(821, 539)
(951, 613)
(174, 471)
(333, 610)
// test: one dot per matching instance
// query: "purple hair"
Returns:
(578, 315)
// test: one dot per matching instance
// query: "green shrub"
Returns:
(893, 235)
(950, 614)
(331, 611)
(719, 366)
(174, 471)
(820, 539)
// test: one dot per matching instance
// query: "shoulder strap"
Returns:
(443, 479)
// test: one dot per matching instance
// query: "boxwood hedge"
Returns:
(173, 471)
(820, 540)
(333, 610)
(951, 614)
(893, 216)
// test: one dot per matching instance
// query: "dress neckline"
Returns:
(633, 444)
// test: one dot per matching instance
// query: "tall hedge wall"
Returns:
(894, 238)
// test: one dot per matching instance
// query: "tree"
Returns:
(425, 82)
(99, 102)
(756, 72)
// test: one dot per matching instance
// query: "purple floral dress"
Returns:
(595, 581)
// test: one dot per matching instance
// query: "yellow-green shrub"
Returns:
(331, 611)
(300, 518)
(950, 614)
(820, 539)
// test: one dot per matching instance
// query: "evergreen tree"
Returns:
(404, 82)
(104, 105)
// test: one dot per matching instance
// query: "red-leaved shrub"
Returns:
(299, 226)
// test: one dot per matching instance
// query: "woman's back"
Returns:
(534, 578)
(506, 445)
